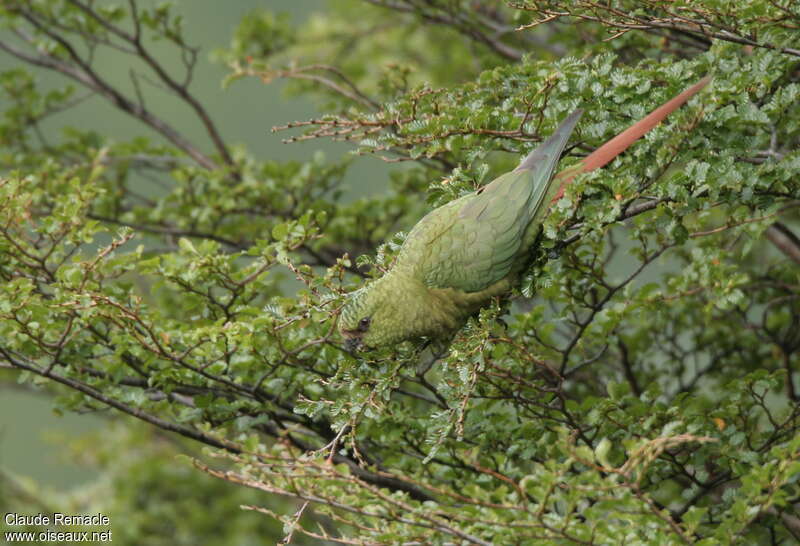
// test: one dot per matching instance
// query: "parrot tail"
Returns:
(622, 141)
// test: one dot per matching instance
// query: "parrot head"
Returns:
(366, 319)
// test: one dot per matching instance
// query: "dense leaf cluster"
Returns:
(641, 386)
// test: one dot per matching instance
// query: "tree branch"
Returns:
(784, 240)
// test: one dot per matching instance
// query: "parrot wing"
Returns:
(473, 242)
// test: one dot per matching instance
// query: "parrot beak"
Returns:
(353, 344)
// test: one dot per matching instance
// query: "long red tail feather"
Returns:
(620, 143)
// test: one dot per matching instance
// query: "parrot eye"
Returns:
(363, 324)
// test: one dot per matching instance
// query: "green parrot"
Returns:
(462, 254)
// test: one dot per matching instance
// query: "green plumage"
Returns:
(458, 256)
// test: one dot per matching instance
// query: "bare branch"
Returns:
(703, 24)
(784, 240)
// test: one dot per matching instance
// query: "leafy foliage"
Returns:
(642, 385)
